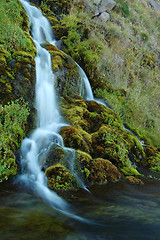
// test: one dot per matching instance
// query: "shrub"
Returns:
(13, 119)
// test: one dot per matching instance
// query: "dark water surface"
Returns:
(119, 211)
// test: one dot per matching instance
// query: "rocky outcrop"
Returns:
(101, 9)
(155, 5)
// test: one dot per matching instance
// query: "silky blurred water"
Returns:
(118, 211)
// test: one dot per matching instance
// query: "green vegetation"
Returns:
(13, 23)
(121, 59)
(13, 120)
(60, 178)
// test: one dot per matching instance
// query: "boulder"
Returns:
(155, 5)
(109, 4)
(60, 178)
(96, 170)
(104, 17)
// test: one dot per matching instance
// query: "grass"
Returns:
(12, 35)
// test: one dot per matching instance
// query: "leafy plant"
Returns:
(13, 119)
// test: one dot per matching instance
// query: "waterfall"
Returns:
(49, 118)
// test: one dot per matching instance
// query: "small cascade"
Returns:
(36, 147)
(88, 95)
(134, 135)
(72, 168)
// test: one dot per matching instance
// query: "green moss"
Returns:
(20, 55)
(103, 132)
(73, 139)
(58, 7)
(13, 119)
(96, 170)
(59, 178)
(153, 162)
(130, 171)
(122, 6)
(134, 180)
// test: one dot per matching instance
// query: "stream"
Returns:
(120, 211)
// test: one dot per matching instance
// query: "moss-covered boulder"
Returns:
(58, 7)
(117, 145)
(60, 178)
(102, 131)
(54, 155)
(153, 162)
(74, 139)
(133, 180)
(96, 170)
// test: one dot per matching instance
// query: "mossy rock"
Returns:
(97, 170)
(72, 138)
(115, 145)
(133, 180)
(67, 75)
(153, 162)
(18, 67)
(104, 134)
(54, 155)
(89, 115)
(60, 178)
(74, 111)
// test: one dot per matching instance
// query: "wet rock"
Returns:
(52, 156)
(134, 180)
(102, 131)
(96, 170)
(72, 138)
(102, 9)
(60, 178)
(67, 76)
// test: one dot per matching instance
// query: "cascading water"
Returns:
(48, 115)
(49, 118)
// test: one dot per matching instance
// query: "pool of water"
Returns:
(115, 211)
